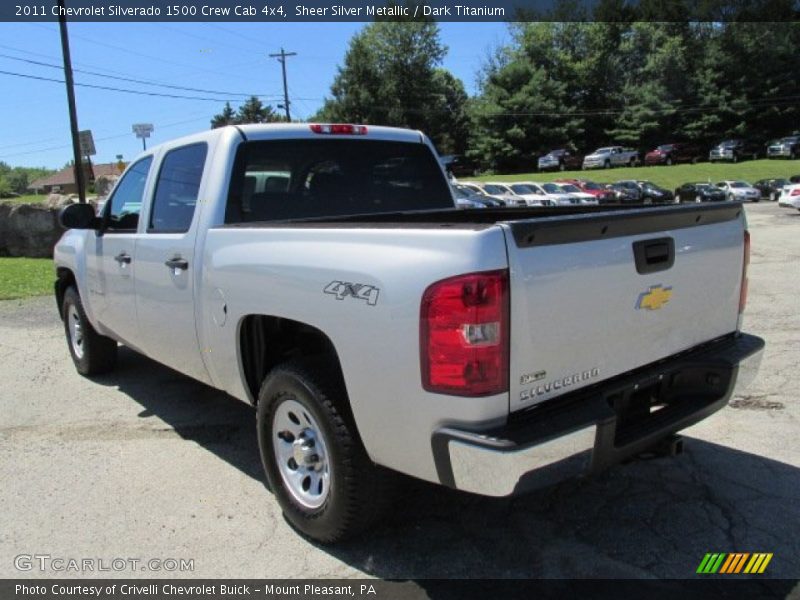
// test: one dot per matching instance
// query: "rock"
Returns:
(28, 230)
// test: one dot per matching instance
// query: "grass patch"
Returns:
(27, 199)
(25, 277)
(670, 177)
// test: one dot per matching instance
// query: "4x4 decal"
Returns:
(362, 291)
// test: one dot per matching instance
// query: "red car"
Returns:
(590, 187)
(668, 154)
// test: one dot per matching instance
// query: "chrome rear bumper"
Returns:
(591, 429)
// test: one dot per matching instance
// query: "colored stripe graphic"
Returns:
(711, 562)
(734, 562)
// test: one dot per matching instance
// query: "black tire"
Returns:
(793, 155)
(358, 489)
(93, 354)
(607, 164)
(562, 166)
(735, 158)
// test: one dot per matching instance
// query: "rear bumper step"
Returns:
(589, 430)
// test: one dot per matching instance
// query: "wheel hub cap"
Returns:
(301, 454)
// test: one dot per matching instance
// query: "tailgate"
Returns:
(599, 294)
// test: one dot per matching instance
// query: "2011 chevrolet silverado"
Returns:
(322, 273)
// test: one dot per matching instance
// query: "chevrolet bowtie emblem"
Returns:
(654, 298)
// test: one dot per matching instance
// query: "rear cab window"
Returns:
(314, 178)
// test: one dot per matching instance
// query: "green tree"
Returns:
(226, 117)
(251, 111)
(391, 75)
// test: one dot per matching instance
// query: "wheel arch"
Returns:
(64, 279)
(265, 341)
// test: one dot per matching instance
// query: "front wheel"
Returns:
(669, 161)
(314, 460)
(92, 353)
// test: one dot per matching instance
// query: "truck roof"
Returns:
(269, 131)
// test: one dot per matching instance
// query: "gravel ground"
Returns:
(145, 463)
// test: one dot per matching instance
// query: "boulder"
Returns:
(28, 230)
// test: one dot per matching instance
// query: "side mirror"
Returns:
(78, 216)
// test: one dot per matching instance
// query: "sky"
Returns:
(228, 61)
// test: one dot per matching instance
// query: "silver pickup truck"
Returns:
(322, 274)
(611, 156)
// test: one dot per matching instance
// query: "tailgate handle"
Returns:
(654, 255)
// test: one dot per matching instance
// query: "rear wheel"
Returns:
(91, 352)
(314, 460)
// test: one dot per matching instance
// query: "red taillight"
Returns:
(464, 335)
(795, 192)
(339, 129)
(745, 264)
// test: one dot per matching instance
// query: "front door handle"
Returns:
(177, 263)
(123, 258)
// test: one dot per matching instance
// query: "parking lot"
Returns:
(145, 463)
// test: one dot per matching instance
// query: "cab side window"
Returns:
(125, 204)
(177, 188)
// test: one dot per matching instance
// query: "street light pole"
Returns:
(73, 113)
(282, 59)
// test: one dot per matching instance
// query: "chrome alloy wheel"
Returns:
(301, 452)
(75, 331)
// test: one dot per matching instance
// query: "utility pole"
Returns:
(282, 59)
(73, 113)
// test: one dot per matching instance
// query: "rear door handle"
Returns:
(123, 258)
(177, 263)
(652, 256)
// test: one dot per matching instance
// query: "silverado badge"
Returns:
(654, 298)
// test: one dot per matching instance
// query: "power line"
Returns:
(142, 81)
(113, 89)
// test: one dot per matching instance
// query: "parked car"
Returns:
(739, 191)
(794, 179)
(624, 194)
(611, 156)
(573, 190)
(465, 200)
(375, 328)
(532, 196)
(734, 151)
(473, 193)
(770, 188)
(502, 191)
(787, 147)
(600, 192)
(470, 186)
(790, 196)
(669, 154)
(552, 192)
(458, 166)
(560, 160)
(699, 192)
(650, 192)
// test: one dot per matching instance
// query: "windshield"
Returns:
(728, 143)
(790, 140)
(664, 148)
(569, 188)
(466, 190)
(519, 188)
(591, 185)
(740, 184)
(555, 153)
(551, 188)
(459, 193)
(494, 189)
(602, 151)
(308, 178)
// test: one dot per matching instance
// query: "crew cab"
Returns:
(560, 160)
(322, 274)
(611, 156)
(734, 151)
(670, 154)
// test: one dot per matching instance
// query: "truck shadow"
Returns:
(648, 518)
